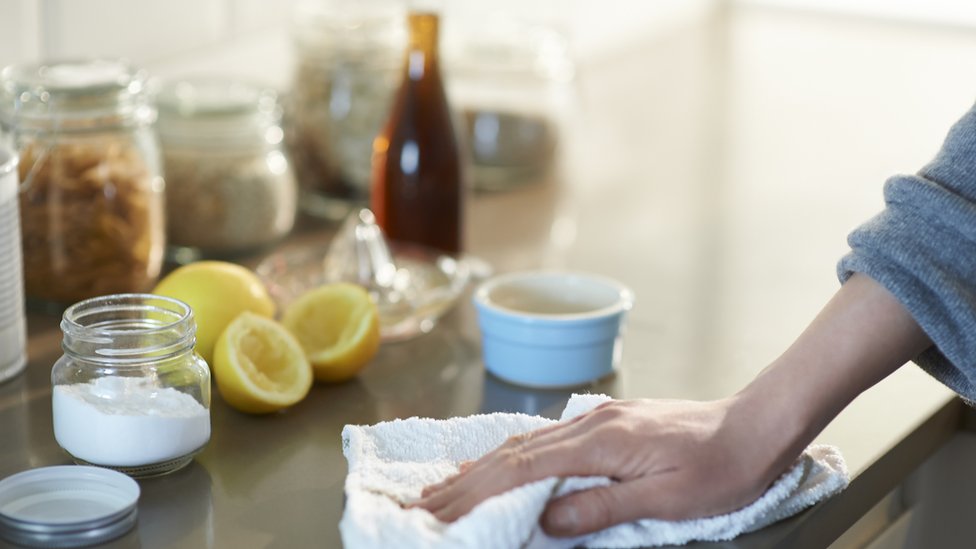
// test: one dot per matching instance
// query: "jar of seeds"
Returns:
(230, 188)
(349, 56)
(513, 83)
(91, 199)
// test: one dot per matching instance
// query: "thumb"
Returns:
(591, 510)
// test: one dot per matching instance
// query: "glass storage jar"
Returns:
(512, 83)
(348, 62)
(91, 200)
(129, 392)
(229, 186)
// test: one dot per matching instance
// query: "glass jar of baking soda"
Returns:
(130, 393)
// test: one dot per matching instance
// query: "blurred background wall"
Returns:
(251, 36)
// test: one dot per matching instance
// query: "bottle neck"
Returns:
(421, 58)
(128, 329)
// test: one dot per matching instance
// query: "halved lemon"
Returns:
(259, 366)
(338, 326)
(217, 291)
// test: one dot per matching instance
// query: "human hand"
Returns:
(671, 460)
(680, 459)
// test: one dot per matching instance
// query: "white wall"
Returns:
(150, 32)
(250, 38)
(943, 12)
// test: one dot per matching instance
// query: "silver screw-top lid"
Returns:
(66, 506)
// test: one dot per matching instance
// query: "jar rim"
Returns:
(77, 75)
(213, 111)
(509, 47)
(195, 97)
(128, 328)
(337, 31)
(74, 94)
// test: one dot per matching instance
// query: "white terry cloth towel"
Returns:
(391, 462)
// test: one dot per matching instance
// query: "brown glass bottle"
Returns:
(417, 189)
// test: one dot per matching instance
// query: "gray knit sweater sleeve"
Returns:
(922, 248)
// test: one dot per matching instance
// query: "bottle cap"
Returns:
(66, 506)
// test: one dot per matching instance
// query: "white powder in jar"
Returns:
(126, 421)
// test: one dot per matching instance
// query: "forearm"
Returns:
(675, 459)
(862, 335)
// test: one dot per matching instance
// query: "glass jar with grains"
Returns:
(513, 83)
(91, 199)
(229, 186)
(130, 393)
(348, 60)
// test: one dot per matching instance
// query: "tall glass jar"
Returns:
(229, 185)
(130, 393)
(91, 200)
(348, 59)
(512, 83)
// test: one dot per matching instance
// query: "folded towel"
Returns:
(391, 462)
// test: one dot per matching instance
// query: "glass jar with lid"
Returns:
(91, 199)
(129, 392)
(512, 82)
(348, 62)
(229, 184)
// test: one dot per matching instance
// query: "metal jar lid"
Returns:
(66, 506)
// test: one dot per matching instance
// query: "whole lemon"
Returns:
(217, 291)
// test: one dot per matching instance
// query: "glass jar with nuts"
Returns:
(91, 199)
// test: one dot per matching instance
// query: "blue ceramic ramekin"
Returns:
(551, 329)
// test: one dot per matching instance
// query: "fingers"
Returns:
(667, 495)
(668, 455)
(458, 499)
(523, 442)
(463, 467)
(598, 508)
(555, 450)
(433, 488)
(508, 469)
(533, 439)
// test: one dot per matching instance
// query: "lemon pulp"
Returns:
(338, 327)
(259, 366)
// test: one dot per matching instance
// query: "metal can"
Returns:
(13, 331)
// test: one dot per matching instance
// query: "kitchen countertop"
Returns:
(716, 170)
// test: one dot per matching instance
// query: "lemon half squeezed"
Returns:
(338, 327)
(259, 366)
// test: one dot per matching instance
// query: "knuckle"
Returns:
(601, 513)
(518, 440)
(608, 411)
(618, 430)
(595, 509)
(522, 438)
(520, 462)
